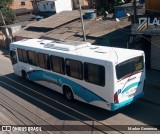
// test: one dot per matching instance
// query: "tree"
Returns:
(8, 13)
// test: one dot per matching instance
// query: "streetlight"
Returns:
(83, 30)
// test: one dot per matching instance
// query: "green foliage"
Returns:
(100, 11)
(8, 13)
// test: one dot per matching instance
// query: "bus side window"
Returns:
(13, 57)
(94, 74)
(43, 61)
(22, 55)
(32, 58)
(57, 64)
(74, 69)
(47, 59)
(35, 58)
(67, 67)
(25, 57)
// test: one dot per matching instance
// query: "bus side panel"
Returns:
(81, 92)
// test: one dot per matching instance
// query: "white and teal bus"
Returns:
(106, 77)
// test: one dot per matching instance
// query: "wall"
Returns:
(49, 6)
(63, 5)
(17, 4)
(87, 4)
(75, 4)
(35, 7)
(155, 52)
(2, 40)
(152, 5)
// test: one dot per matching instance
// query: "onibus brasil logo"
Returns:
(145, 22)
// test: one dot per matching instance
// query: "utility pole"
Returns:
(7, 32)
(3, 19)
(135, 10)
(83, 30)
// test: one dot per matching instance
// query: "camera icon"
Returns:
(6, 128)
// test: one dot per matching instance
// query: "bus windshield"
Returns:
(129, 67)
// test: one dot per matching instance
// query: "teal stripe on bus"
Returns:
(79, 90)
(130, 86)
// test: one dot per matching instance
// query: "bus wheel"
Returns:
(68, 94)
(24, 75)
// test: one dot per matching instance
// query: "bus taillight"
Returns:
(116, 98)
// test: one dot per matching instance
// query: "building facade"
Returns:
(147, 26)
(51, 6)
(17, 4)
(152, 6)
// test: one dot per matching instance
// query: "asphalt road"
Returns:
(26, 103)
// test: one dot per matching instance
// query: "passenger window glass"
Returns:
(57, 64)
(129, 67)
(94, 74)
(32, 58)
(25, 59)
(43, 60)
(22, 55)
(74, 69)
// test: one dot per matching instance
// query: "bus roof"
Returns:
(84, 49)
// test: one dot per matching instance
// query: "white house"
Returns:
(54, 5)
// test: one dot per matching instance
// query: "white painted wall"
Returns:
(63, 5)
(58, 6)
(48, 6)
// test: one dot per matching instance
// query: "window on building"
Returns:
(51, 6)
(32, 58)
(43, 60)
(22, 55)
(57, 64)
(74, 69)
(94, 74)
(44, 6)
(23, 3)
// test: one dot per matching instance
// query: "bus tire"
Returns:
(68, 93)
(24, 75)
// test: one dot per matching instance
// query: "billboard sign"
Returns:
(146, 25)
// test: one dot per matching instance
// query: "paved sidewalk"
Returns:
(153, 78)
(4, 51)
(152, 87)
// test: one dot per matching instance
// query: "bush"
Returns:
(8, 13)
